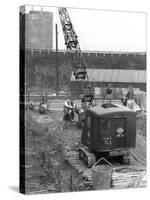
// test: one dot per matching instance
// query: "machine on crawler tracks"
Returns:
(109, 131)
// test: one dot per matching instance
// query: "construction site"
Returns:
(83, 112)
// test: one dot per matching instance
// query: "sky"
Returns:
(100, 30)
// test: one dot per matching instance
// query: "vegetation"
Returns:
(46, 168)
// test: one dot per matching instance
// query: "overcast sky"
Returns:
(101, 30)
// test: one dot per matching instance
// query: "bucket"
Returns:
(102, 175)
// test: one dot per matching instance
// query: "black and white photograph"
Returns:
(82, 99)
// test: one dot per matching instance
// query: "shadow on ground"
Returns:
(14, 188)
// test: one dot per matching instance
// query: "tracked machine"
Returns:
(79, 66)
(108, 130)
(109, 133)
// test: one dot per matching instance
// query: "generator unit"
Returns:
(109, 130)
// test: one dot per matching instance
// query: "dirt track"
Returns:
(45, 144)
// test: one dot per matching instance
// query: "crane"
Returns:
(79, 65)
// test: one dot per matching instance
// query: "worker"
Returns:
(73, 108)
(124, 100)
(128, 95)
(67, 103)
(108, 94)
(31, 106)
(72, 103)
(66, 110)
(69, 108)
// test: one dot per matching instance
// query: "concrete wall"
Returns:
(41, 67)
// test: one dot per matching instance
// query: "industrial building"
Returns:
(36, 41)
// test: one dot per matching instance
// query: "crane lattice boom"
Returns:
(71, 41)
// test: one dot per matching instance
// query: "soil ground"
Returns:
(45, 143)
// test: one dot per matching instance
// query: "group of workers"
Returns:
(87, 101)
(70, 108)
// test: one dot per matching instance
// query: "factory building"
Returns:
(121, 69)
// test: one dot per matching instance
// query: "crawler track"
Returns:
(123, 176)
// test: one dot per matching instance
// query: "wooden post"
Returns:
(45, 97)
(56, 61)
(29, 92)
